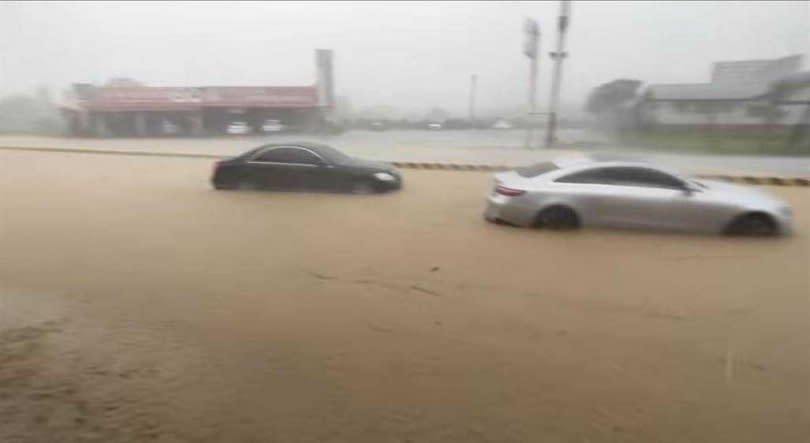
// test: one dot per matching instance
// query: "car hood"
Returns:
(749, 196)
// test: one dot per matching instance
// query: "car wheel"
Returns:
(500, 222)
(557, 217)
(493, 220)
(363, 187)
(752, 225)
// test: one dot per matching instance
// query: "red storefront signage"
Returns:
(293, 96)
(161, 98)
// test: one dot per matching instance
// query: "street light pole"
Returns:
(473, 84)
(531, 48)
(556, 82)
(532, 101)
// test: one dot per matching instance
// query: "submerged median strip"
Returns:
(111, 152)
(436, 166)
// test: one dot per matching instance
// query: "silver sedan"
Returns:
(570, 194)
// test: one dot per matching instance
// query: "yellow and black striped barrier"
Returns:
(450, 166)
(758, 180)
(745, 179)
(432, 166)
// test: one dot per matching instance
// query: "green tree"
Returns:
(612, 96)
(28, 115)
(612, 104)
(799, 139)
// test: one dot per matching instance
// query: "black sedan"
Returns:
(304, 166)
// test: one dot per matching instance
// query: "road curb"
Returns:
(431, 166)
(450, 166)
(758, 180)
(112, 152)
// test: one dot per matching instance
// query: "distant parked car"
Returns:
(273, 126)
(435, 126)
(502, 124)
(377, 126)
(569, 194)
(304, 166)
(238, 128)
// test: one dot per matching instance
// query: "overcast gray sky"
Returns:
(412, 55)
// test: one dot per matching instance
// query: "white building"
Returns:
(740, 94)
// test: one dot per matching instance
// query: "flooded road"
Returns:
(140, 305)
(486, 147)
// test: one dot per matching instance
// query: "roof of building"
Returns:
(732, 80)
(165, 98)
(707, 91)
(760, 71)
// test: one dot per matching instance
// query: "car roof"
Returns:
(317, 147)
(597, 160)
(302, 144)
(321, 149)
(312, 146)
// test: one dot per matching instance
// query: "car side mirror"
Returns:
(689, 190)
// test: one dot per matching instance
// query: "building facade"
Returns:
(741, 94)
(103, 111)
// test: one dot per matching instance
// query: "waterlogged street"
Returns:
(484, 147)
(138, 304)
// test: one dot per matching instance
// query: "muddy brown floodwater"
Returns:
(137, 304)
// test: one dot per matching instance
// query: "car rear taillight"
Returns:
(216, 167)
(510, 192)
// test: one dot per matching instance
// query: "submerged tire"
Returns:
(224, 186)
(363, 187)
(753, 225)
(557, 217)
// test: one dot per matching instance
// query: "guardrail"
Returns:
(432, 166)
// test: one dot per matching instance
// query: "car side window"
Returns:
(593, 176)
(289, 155)
(624, 176)
(644, 177)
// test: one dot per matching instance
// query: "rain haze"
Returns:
(412, 222)
(408, 55)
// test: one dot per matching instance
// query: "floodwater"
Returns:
(487, 147)
(140, 305)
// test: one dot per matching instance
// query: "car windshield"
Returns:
(536, 169)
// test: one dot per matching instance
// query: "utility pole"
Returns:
(531, 47)
(473, 81)
(558, 56)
